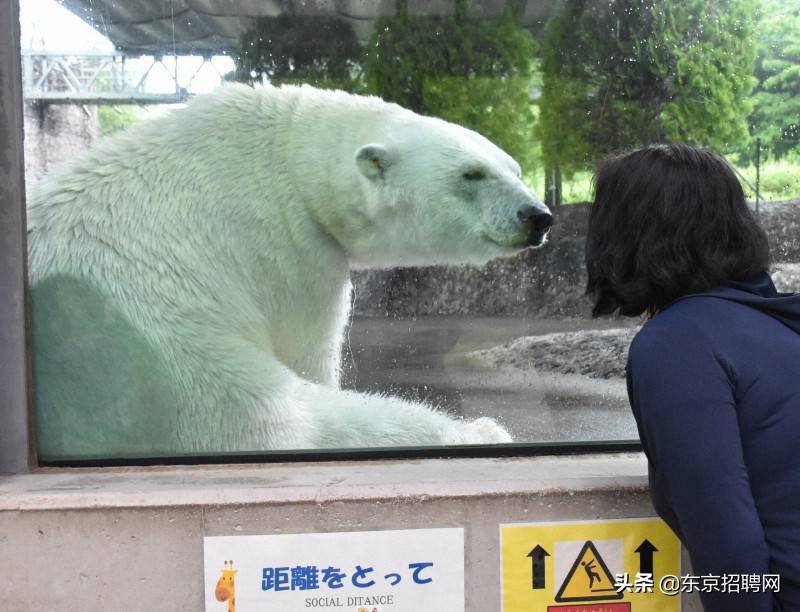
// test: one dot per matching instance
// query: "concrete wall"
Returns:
(55, 133)
(132, 539)
(545, 282)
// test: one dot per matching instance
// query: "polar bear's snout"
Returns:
(538, 219)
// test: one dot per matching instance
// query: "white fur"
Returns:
(225, 233)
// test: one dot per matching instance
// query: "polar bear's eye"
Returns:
(475, 175)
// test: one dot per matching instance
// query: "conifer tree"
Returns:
(624, 73)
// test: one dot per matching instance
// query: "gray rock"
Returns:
(786, 277)
(592, 353)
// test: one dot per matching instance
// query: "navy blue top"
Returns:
(714, 383)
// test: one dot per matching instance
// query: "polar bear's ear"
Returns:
(373, 160)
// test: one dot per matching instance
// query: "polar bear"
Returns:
(190, 277)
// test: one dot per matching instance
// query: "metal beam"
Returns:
(99, 78)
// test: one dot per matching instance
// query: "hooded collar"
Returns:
(759, 292)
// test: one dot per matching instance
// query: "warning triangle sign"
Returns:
(588, 579)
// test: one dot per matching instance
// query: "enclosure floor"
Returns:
(428, 358)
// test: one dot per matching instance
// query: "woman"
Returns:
(714, 374)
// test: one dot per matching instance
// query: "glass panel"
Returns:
(219, 265)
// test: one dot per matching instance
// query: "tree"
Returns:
(625, 73)
(776, 118)
(475, 72)
(708, 66)
(321, 51)
(115, 118)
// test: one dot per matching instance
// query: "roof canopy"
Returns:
(205, 27)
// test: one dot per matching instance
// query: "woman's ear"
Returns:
(373, 160)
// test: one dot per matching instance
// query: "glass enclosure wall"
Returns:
(285, 226)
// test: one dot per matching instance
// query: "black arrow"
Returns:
(646, 550)
(537, 556)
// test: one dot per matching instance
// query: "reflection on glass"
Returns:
(366, 262)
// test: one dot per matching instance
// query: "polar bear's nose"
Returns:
(539, 220)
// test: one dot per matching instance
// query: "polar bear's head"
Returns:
(435, 193)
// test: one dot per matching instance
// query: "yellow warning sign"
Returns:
(591, 566)
(588, 579)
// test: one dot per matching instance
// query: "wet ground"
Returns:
(443, 361)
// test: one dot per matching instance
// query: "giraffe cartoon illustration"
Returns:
(226, 589)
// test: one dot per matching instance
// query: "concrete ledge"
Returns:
(291, 483)
(132, 538)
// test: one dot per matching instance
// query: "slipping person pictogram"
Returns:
(594, 583)
(593, 575)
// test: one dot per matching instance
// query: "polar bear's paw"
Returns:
(479, 431)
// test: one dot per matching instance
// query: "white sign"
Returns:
(362, 571)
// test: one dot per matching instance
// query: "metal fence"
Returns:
(102, 78)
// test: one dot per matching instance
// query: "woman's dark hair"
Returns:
(668, 220)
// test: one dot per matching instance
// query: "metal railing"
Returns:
(100, 78)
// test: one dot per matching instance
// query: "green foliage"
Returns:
(595, 94)
(478, 73)
(115, 118)
(776, 119)
(321, 51)
(780, 180)
(709, 65)
(624, 73)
